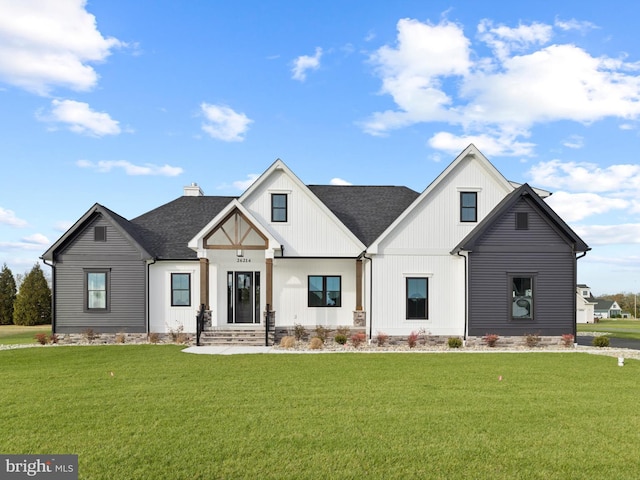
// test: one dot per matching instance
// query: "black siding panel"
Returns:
(540, 251)
(128, 283)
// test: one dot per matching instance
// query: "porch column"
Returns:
(359, 264)
(269, 299)
(204, 282)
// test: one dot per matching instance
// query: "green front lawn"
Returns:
(619, 328)
(14, 334)
(153, 412)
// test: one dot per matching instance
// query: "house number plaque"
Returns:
(243, 260)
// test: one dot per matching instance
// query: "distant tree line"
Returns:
(30, 304)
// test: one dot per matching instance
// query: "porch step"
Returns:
(247, 337)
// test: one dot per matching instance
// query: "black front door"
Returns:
(244, 297)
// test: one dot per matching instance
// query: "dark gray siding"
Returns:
(540, 251)
(127, 311)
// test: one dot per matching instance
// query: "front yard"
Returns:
(151, 411)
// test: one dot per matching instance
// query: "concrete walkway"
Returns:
(230, 350)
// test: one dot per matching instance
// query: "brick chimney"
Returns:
(193, 190)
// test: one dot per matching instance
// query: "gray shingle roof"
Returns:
(166, 230)
(366, 210)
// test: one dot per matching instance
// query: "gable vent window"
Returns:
(100, 234)
(522, 221)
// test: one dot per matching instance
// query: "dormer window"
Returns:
(279, 207)
(468, 206)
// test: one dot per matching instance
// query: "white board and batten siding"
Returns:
(311, 230)
(419, 246)
(290, 290)
(162, 316)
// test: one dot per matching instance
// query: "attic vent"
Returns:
(522, 220)
(100, 234)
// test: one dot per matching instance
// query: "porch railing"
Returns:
(200, 322)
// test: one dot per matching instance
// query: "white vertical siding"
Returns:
(446, 294)
(310, 229)
(290, 278)
(162, 316)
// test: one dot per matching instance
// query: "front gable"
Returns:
(291, 212)
(433, 222)
(98, 232)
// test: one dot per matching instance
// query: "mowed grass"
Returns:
(153, 412)
(15, 334)
(618, 328)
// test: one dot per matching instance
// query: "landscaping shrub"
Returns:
(41, 338)
(567, 339)
(454, 342)
(321, 333)
(120, 338)
(531, 339)
(53, 338)
(358, 339)
(412, 339)
(299, 332)
(288, 342)
(491, 339)
(89, 335)
(601, 341)
(316, 343)
(343, 331)
(154, 337)
(382, 339)
(340, 338)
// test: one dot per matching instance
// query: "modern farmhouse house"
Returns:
(472, 254)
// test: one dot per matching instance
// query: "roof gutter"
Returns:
(466, 296)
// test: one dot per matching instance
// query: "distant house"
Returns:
(472, 254)
(585, 304)
(607, 309)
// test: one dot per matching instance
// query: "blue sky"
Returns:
(125, 102)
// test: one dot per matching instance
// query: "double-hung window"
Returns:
(96, 292)
(180, 290)
(468, 206)
(325, 291)
(417, 298)
(279, 207)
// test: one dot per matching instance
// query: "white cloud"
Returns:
(105, 166)
(304, 63)
(586, 177)
(491, 145)
(609, 234)
(504, 40)
(339, 181)
(573, 24)
(244, 184)
(574, 141)
(433, 75)
(47, 43)
(8, 217)
(224, 123)
(573, 207)
(79, 118)
(36, 239)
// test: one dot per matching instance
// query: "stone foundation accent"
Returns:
(122, 338)
(516, 341)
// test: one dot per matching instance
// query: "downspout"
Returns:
(575, 307)
(364, 255)
(148, 295)
(466, 297)
(53, 294)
